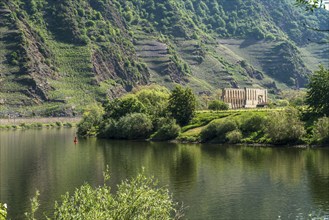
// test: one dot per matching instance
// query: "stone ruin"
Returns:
(245, 98)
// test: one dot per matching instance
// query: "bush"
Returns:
(169, 130)
(218, 105)
(234, 137)
(109, 129)
(218, 129)
(123, 106)
(68, 125)
(88, 126)
(3, 211)
(59, 124)
(321, 131)
(253, 124)
(225, 127)
(138, 198)
(155, 99)
(134, 126)
(210, 131)
(284, 127)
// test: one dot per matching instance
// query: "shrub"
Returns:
(321, 131)
(3, 211)
(234, 137)
(218, 129)
(123, 106)
(134, 126)
(68, 125)
(254, 123)
(137, 198)
(283, 103)
(39, 125)
(109, 129)
(225, 127)
(155, 99)
(59, 124)
(284, 127)
(88, 126)
(169, 130)
(210, 131)
(218, 105)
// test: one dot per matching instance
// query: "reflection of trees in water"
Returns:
(283, 164)
(317, 166)
(215, 151)
(255, 156)
(125, 158)
(184, 167)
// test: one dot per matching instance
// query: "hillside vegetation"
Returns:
(56, 57)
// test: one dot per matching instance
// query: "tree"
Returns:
(321, 131)
(310, 5)
(123, 106)
(318, 92)
(91, 119)
(284, 127)
(182, 105)
(218, 105)
(155, 99)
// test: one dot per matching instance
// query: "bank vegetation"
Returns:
(154, 113)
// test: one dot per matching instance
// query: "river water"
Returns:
(212, 181)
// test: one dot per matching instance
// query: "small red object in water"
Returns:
(75, 140)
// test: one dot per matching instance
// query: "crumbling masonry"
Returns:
(245, 98)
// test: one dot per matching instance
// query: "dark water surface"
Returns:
(215, 182)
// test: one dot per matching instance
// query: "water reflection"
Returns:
(318, 176)
(215, 182)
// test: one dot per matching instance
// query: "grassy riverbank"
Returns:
(285, 126)
(192, 132)
(26, 123)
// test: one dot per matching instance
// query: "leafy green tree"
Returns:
(217, 105)
(254, 123)
(155, 99)
(182, 105)
(318, 92)
(168, 130)
(284, 127)
(321, 131)
(123, 106)
(310, 5)
(91, 119)
(135, 126)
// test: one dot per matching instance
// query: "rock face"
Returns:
(61, 55)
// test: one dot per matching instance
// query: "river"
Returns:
(212, 181)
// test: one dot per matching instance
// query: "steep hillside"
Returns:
(56, 57)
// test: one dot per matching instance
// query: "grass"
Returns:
(191, 132)
(27, 123)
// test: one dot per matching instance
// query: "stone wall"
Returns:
(244, 98)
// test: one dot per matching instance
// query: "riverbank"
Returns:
(16, 123)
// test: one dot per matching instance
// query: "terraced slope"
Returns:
(57, 57)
